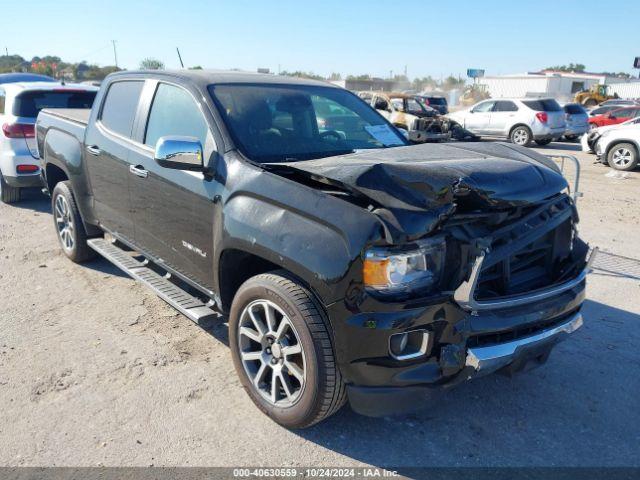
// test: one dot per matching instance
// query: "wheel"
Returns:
(543, 142)
(69, 226)
(571, 138)
(521, 136)
(590, 102)
(8, 194)
(623, 156)
(281, 348)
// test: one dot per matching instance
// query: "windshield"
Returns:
(29, 104)
(276, 123)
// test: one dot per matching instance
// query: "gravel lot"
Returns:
(96, 370)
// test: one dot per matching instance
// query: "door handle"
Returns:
(138, 171)
(93, 149)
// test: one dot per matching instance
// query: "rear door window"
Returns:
(120, 106)
(29, 104)
(175, 112)
(505, 106)
(544, 105)
(574, 109)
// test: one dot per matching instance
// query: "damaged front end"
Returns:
(508, 273)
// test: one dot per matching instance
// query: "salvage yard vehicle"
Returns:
(619, 147)
(19, 106)
(577, 120)
(588, 141)
(407, 112)
(614, 117)
(520, 120)
(351, 265)
(596, 95)
(437, 102)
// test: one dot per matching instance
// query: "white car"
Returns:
(588, 140)
(19, 107)
(619, 147)
(520, 120)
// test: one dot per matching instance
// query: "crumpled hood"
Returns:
(414, 188)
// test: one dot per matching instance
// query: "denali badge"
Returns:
(187, 245)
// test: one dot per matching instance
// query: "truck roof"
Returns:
(208, 77)
(22, 86)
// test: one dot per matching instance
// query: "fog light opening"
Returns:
(408, 345)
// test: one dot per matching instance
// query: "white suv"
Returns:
(19, 107)
(619, 147)
(520, 120)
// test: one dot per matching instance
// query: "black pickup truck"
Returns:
(349, 264)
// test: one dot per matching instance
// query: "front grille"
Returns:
(528, 254)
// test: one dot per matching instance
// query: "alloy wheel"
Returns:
(271, 353)
(520, 137)
(64, 222)
(622, 157)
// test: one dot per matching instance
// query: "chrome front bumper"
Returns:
(493, 357)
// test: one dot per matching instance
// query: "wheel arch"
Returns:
(236, 266)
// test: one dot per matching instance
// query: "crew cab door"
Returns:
(479, 117)
(173, 209)
(107, 147)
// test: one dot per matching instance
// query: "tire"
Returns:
(521, 135)
(543, 142)
(623, 156)
(8, 194)
(67, 219)
(571, 138)
(590, 102)
(314, 382)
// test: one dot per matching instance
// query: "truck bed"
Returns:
(77, 115)
(68, 123)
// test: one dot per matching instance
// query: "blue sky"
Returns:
(350, 37)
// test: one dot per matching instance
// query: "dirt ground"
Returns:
(96, 370)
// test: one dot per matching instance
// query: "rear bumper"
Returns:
(514, 356)
(24, 181)
(576, 129)
(549, 133)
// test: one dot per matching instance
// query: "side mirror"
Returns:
(179, 153)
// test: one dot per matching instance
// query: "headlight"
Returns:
(401, 271)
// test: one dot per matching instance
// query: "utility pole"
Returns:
(180, 57)
(115, 54)
(6, 50)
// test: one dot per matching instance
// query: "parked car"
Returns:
(19, 107)
(618, 102)
(602, 110)
(350, 265)
(588, 141)
(619, 147)
(577, 120)
(619, 115)
(520, 120)
(407, 112)
(435, 101)
(24, 77)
